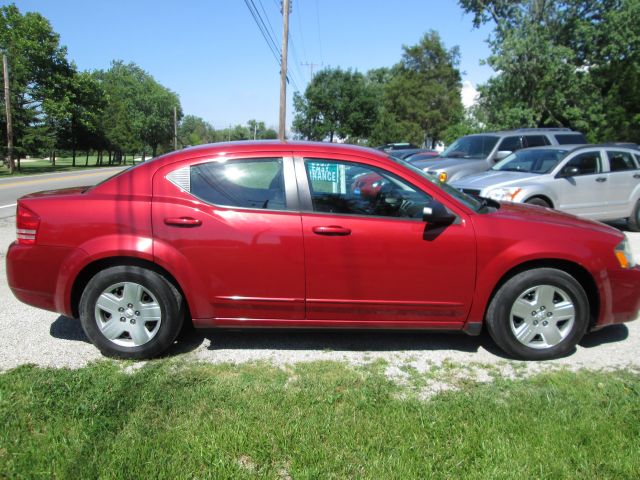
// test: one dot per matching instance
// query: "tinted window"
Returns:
(587, 163)
(619, 161)
(510, 144)
(570, 138)
(473, 146)
(255, 183)
(532, 161)
(356, 189)
(536, 141)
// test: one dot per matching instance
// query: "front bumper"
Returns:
(624, 297)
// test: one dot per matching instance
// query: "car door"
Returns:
(370, 259)
(585, 192)
(233, 223)
(623, 183)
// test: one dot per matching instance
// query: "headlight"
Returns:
(505, 194)
(624, 254)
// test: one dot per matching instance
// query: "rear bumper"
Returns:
(37, 275)
(623, 302)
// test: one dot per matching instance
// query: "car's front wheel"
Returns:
(538, 314)
(131, 312)
(541, 202)
(633, 222)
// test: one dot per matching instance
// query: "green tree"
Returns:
(571, 63)
(138, 111)
(336, 103)
(423, 92)
(194, 130)
(157, 105)
(39, 72)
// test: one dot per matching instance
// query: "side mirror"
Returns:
(502, 154)
(437, 214)
(569, 172)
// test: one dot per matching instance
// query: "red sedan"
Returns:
(272, 234)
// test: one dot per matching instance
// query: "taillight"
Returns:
(27, 223)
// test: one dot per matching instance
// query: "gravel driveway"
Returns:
(33, 336)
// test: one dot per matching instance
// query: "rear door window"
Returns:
(510, 144)
(535, 141)
(570, 138)
(620, 161)
(254, 183)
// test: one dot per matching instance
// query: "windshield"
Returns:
(472, 147)
(531, 161)
(473, 203)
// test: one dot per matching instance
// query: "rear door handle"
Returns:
(601, 179)
(183, 222)
(332, 231)
(637, 175)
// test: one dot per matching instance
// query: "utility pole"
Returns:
(175, 128)
(311, 65)
(7, 104)
(283, 69)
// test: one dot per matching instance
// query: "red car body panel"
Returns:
(247, 267)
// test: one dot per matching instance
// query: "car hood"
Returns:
(442, 163)
(543, 215)
(495, 179)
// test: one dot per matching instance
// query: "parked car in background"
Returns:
(422, 155)
(413, 154)
(387, 147)
(274, 234)
(600, 182)
(479, 152)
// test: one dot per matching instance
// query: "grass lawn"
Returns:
(63, 164)
(171, 419)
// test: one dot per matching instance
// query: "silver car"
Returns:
(600, 182)
(479, 152)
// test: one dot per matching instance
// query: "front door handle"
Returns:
(183, 222)
(637, 175)
(332, 231)
(601, 179)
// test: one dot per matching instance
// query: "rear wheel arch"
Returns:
(579, 273)
(91, 269)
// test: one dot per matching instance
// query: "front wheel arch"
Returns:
(584, 278)
(541, 198)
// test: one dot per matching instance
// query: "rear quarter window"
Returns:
(570, 138)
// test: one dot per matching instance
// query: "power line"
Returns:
(318, 24)
(273, 33)
(263, 30)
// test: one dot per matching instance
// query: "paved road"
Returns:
(13, 188)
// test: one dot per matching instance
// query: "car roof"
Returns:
(267, 146)
(583, 146)
(525, 131)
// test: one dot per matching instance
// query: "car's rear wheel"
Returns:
(541, 202)
(633, 222)
(131, 312)
(538, 314)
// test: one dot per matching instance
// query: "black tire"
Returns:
(159, 295)
(541, 202)
(502, 323)
(633, 222)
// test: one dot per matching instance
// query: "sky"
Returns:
(212, 54)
